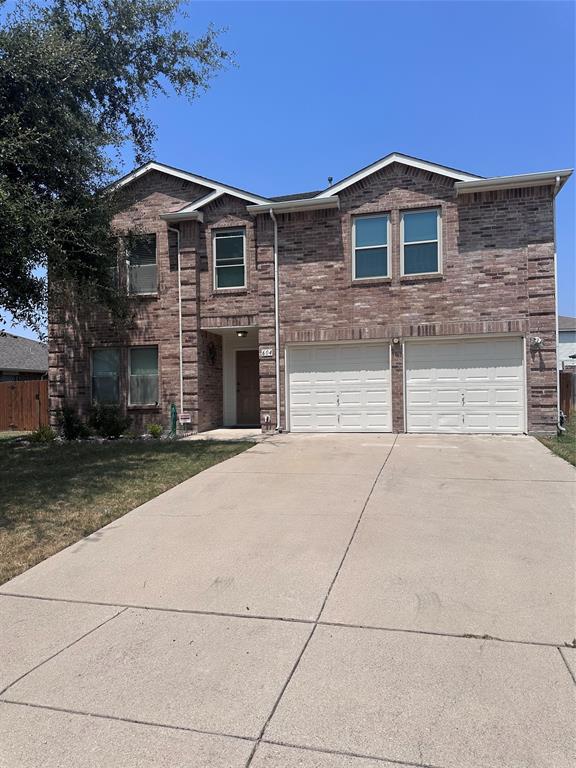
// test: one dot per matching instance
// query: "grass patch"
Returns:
(564, 445)
(12, 435)
(53, 495)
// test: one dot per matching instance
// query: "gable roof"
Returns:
(216, 186)
(20, 354)
(566, 323)
(397, 157)
(463, 182)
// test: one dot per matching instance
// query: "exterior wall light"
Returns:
(395, 340)
(536, 342)
(241, 334)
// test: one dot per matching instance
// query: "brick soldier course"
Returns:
(498, 277)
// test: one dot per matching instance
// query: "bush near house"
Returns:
(108, 421)
(71, 426)
(42, 435)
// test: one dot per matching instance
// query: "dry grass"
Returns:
(564, 445)
(53, 495)
(7, 436)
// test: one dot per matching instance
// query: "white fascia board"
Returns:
(177, 173)
(396, 157)
(514, 182)
(183, 216)
(201, 202)
(293, 206)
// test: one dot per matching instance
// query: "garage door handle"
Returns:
(338, 400)
(462, 398)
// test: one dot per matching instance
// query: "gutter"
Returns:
(559, 418)
(276, 317)
(515, 182)
(177, 231)
(294, 206)
(183, 216)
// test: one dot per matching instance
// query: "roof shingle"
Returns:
(20, 354)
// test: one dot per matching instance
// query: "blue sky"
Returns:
(324, 88)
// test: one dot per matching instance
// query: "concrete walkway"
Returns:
(319, 601)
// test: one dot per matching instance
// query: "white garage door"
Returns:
(339, 388)
(465, 386)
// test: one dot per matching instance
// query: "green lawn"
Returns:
(564, 445)
(7, 436)
(53, 495)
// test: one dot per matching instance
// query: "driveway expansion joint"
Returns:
(287, 619)
(344, 753)
(65, 648)
(309, 638)
(116, 718)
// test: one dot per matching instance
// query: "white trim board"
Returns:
(179, 174)
(396, 157)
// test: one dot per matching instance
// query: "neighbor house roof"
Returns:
(566, 323)
(20, 354)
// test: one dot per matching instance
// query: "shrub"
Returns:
(42, 435)
(72, 426)
(155, 430)
(108, 420)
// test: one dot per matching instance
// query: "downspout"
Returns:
(558, 413)
(177, 231)
(276, 318)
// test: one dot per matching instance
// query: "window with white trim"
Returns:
(143, 376)
(420, 238)
(141, 262)
(229, 248)
(370, 247)
(105, 375)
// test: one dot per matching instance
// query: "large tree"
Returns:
(75, 78)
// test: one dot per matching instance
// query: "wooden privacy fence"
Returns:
(567, 392)
(23, 405)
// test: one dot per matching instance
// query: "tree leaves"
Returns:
(75, 78)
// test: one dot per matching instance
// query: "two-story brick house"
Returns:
(407, 297)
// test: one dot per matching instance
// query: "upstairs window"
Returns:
(420, 235)
(143, 376)
(229, 258)
(105, 374)
(142, 269)
(370, 246)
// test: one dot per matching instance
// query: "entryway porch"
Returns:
(231, 378)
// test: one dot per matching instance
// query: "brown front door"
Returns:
(247, 387)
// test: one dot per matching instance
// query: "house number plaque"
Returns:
(267, 352)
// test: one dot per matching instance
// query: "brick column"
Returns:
(541, 363)
(266, 333)
(397, 377)
(189, 237)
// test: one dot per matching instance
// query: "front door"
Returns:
(247, 387)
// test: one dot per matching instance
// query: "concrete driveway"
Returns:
(316, 602)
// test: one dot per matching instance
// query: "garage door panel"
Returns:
(352, 380)
(465, 386)
(503, 396)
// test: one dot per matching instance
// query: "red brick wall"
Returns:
(498, 277)
(210, 394)
(74, 331)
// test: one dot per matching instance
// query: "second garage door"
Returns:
(465, 386)
(339, 388)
